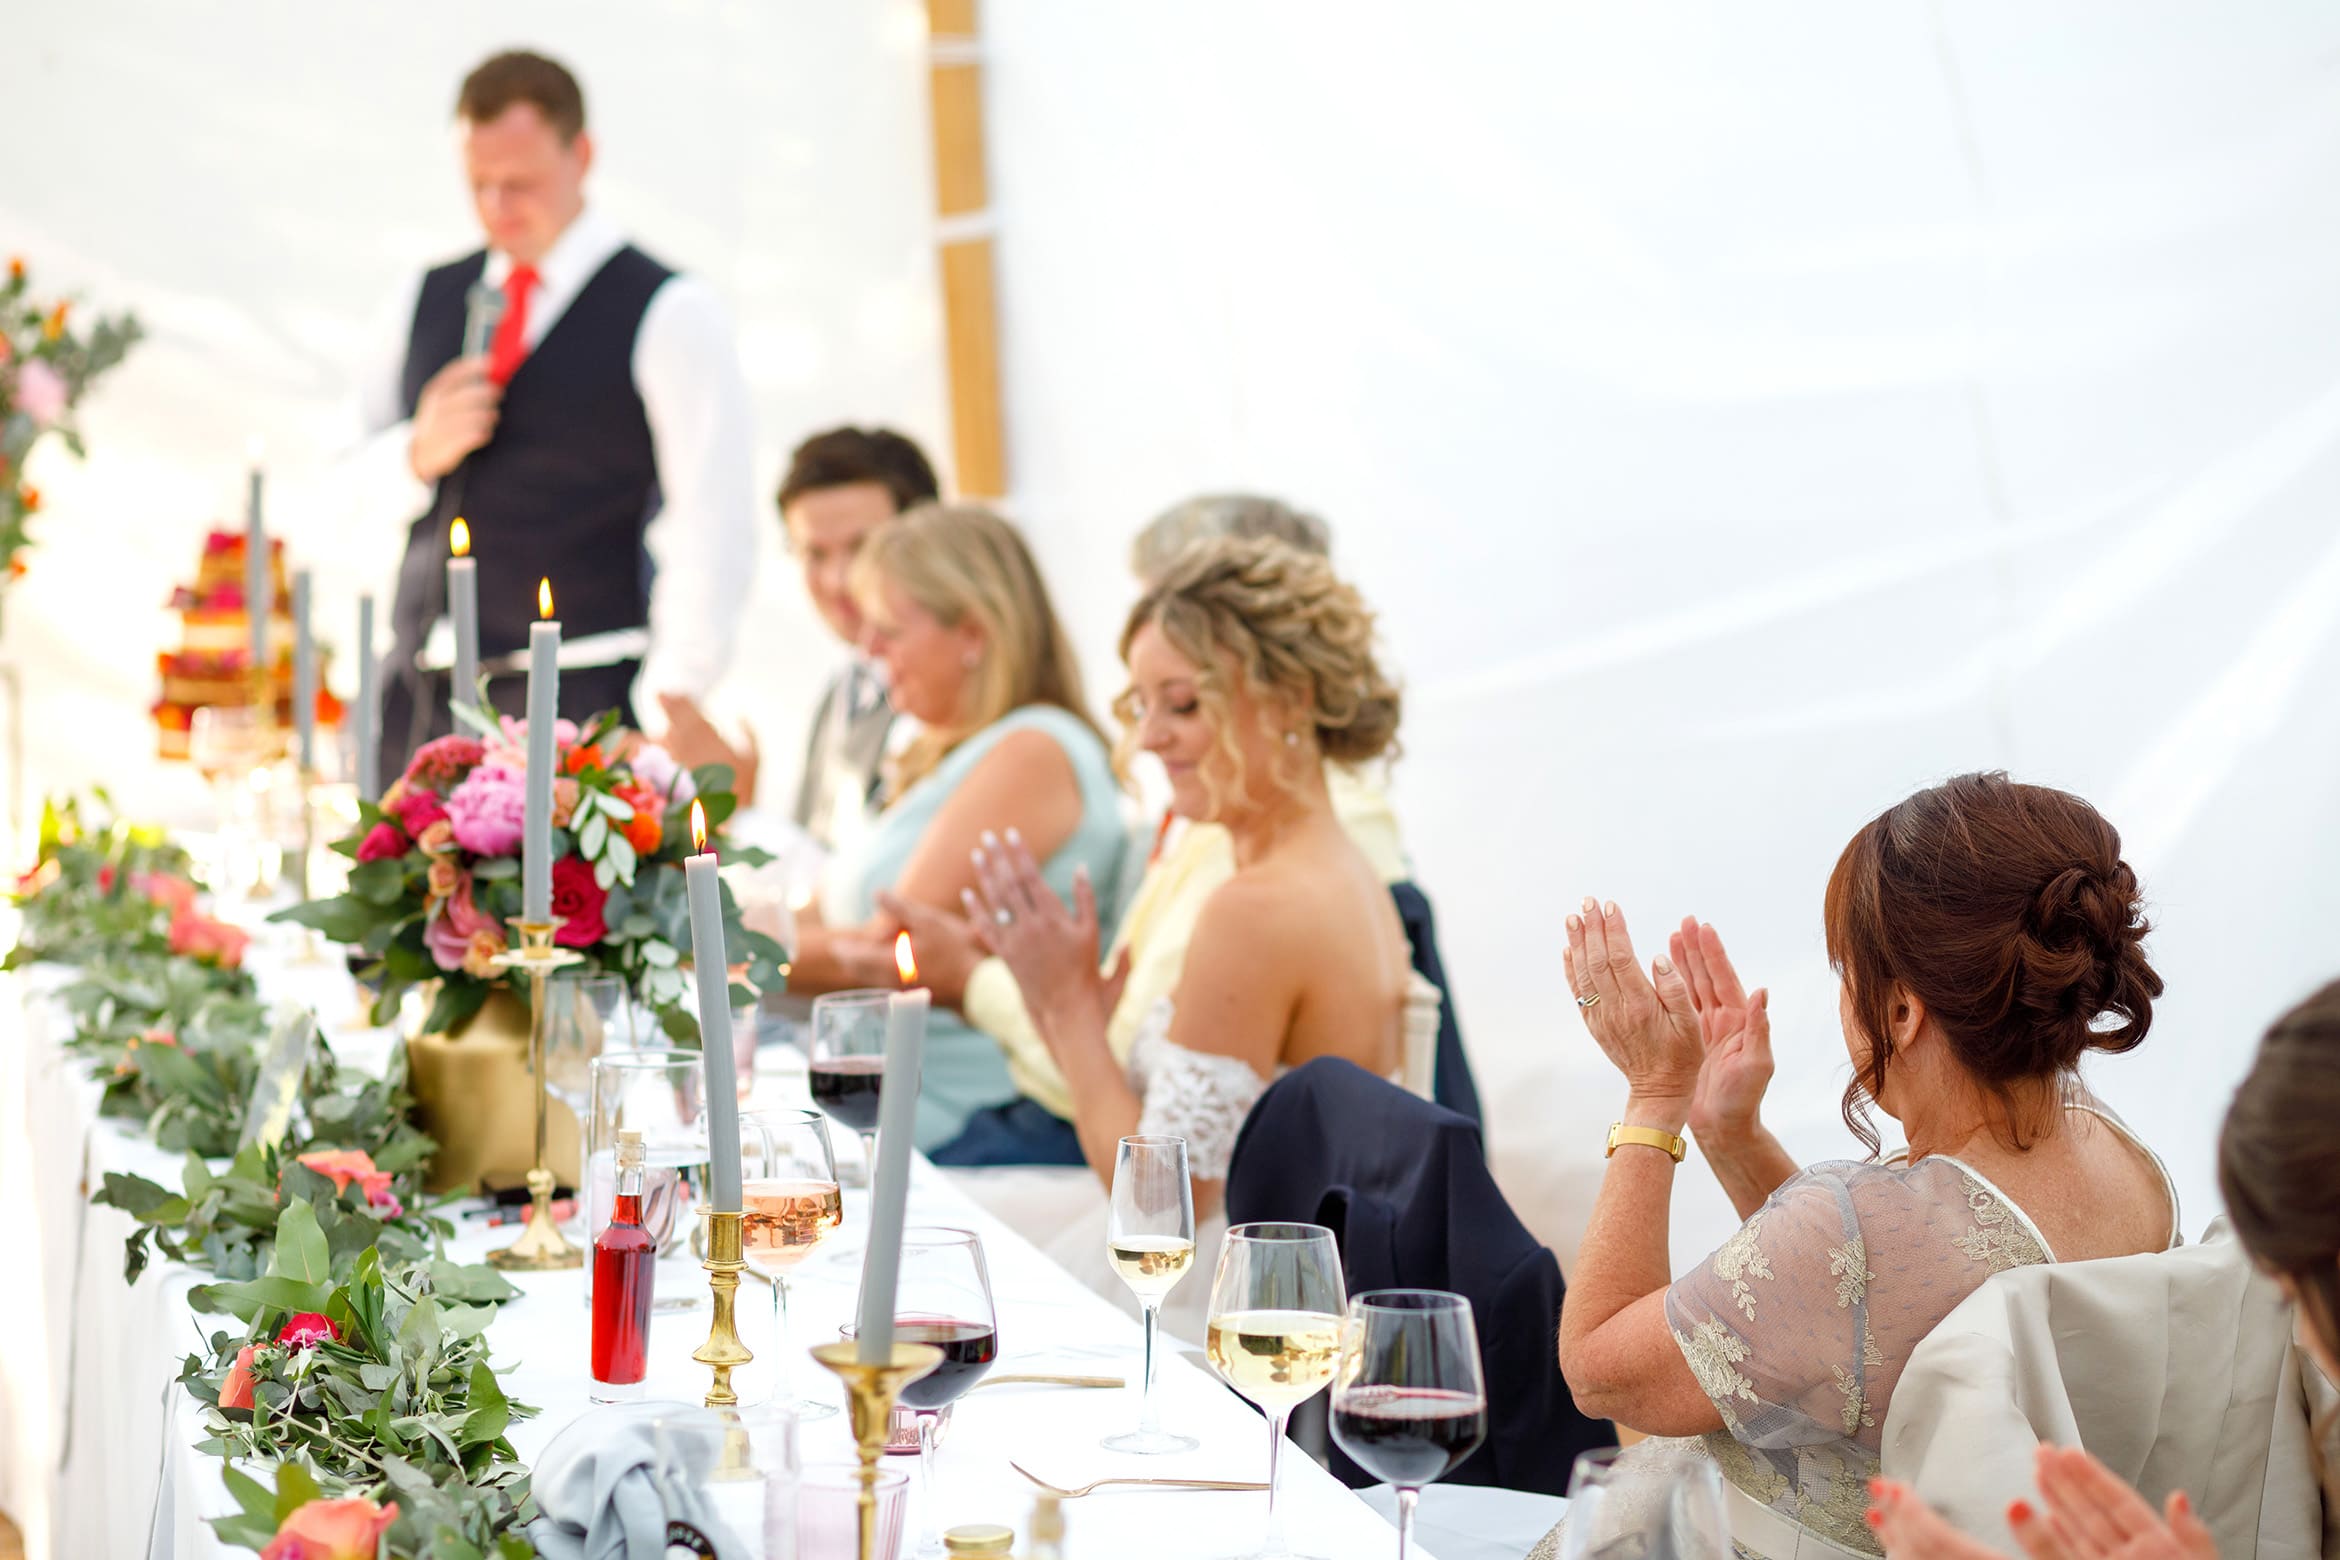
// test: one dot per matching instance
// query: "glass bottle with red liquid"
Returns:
(625, 1264)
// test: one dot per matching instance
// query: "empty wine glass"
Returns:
(1275, 1332)
(848, 1062)
(229, 744)
(1645, 1502)
(584, 1015)
(1149, 1239)
(1409, 1403)
(788, 1189)
(661, 1094)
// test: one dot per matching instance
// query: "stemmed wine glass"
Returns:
(942, 1297)
(1649, 1500)
(584, 1016)
(1409, 1403)
(1275, 1331)
(1149, 1238)
(229, 744)
(788, 1187)
(848, 1062)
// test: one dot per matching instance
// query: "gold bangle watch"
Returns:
(1647, 1137)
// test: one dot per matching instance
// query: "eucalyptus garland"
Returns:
(356, 1383)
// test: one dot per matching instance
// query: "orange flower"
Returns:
(55, 324)
(479, 957)
(565, 792)
(443, 877)
(343, 1165)
(30, 497)
(581, 758)
(440, 836)
(16, 567)
(16, 268)
(194, 935)
(236, 1391)
(643, 830)
(348, 1529)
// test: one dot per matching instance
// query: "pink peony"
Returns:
(655, 767)
(415, 811)
(488, 810)
(40, 392)
(307, 1330)
(443, 761)
(349, 1529)
(577, 900)
(383, 842)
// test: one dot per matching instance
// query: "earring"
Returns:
(1291, 739)
(971, 660)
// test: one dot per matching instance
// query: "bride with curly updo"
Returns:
(1251, 664)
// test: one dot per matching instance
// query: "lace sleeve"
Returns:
(1790, 1328)
(1201, 1096)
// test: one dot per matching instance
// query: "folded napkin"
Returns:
(610, 1483)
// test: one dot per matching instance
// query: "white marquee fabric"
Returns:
(1741, 416)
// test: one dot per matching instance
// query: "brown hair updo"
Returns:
(2007, 910)
(1292, 628)
(2279, 1158)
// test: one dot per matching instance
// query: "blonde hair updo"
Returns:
(1292, 629)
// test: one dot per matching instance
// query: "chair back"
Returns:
(1404, 1185)
(1451, 1083)
(2176, 1369)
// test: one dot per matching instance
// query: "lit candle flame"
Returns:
(902, 960)
(459, 538)
(544, 598)
(698, 828)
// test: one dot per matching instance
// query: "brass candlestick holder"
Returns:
(541, 1247)
(724, 1351)
(870, 1391)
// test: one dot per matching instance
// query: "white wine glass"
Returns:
(1275, 1332)
(584, 1015)
(1409, 1403)
(788, 1187)
(1653, 1501)
(1149, 1239)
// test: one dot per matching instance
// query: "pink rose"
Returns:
(349, 1529)
(40, 392)
(510, 751)
(488, 811)
(383, 842)
(443, 876)
(307, 1330)
(576, 903)
(438, 838)
(236, 1391)
(199, 937)
(172, 893)
(453, 934)
(442, 762)
(415, 811)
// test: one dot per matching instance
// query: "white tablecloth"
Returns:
(118, 1474)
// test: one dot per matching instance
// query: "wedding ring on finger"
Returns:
(1585, 1002)
(1003, 916)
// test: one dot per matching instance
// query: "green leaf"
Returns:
(301, 1252)
(474, 1281)
(593, 837)
(196, 1178)
(253, 1296)
(377, 1376)
(379, 882)
(491, 869)
(294, 1489)
(251, 1494)
(621, 856)
(490, 1413)
(136, 1195)
(343, 919)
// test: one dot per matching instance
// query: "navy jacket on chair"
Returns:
(1404, 1186)
(1451, 1082)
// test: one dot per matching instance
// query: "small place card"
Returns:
(278, 1088)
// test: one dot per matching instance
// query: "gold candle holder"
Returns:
(541, 1247)
(870, 1391)
(724, 1351)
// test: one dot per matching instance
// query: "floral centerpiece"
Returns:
(437, 877)
(45, 368)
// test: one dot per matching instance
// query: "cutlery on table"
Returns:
(1061, 1493)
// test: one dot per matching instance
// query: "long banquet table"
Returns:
(108, 1465)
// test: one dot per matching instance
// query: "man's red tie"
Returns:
(509, 344)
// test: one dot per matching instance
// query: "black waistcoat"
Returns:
(568, 485)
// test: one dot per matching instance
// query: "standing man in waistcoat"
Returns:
(601, 439)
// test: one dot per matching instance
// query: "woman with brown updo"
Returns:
(1987, 936)
(1250, 666)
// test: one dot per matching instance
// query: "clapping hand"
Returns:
(945, 944)
(1734, 1028)
(1646, 1024)
(2086, 1513)
(1049, 946)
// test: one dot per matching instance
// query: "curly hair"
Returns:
(2007, 910)
(1292, 630)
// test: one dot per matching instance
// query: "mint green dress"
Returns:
(964, 1068)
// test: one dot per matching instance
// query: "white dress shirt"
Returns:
(686, 369)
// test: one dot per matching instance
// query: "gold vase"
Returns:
(474, 1094)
